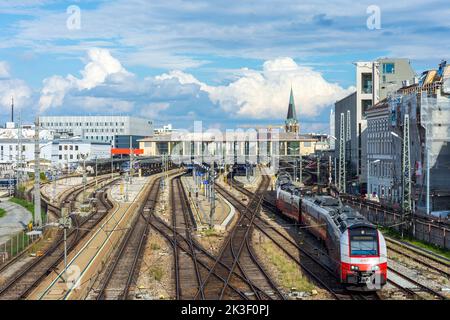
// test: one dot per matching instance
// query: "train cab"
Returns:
(363, 257)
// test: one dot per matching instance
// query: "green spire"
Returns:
(291, 115)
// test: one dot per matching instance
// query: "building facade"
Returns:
(374, 81)
(383, 158)
(425, 107)
(97, 128)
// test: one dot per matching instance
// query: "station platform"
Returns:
(224, 211)
(251, 182)
(120, 189)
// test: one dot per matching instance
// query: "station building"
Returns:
(244, 145)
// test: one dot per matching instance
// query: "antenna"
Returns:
(12, 109)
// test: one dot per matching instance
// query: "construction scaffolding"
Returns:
(435, 120)
(421, 114)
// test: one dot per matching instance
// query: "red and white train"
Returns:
(357, 249)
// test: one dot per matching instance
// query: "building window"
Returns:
(365, 104)
(366, 83)
(60, 148)
(388, 68)
(76, 148)
(60, 157)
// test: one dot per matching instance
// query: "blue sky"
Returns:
(227, 63)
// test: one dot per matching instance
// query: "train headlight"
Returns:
(354, 268)
(375, 268)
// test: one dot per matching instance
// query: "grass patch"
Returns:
(29, 206)
(155, 246)
(290, 274)
(2, 213)
(157, 273)
(210, 233)
(427, 246)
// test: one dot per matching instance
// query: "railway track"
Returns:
(307, 259)
(237, 254)
(204, 258)
(123, 269)
(425, 259)
(20, 285)
(415, 287)
(188, 277)
(56, 210)
(68, 197)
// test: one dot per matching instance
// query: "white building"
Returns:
(73, 150)
(98, 128)
(60, 152)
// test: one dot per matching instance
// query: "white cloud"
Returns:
(101, 67)
(105, 86)
(264, 94)
(153, 110)
(14, 88)
(4, 70)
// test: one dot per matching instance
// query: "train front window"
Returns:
(363, 242)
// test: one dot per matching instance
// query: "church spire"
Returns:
(291, 119)
(291, 110)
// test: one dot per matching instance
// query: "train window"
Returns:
(363, 242)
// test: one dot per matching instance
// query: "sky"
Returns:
(227, 63)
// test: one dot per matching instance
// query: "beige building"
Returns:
(240, 144)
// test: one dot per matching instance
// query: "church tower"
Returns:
(291, 124)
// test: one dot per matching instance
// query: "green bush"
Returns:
(2, 213)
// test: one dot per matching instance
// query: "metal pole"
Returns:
(335, 171)
(428, 179)
(318, 170)
(96, 182)
(37, 178)
(301, 170)
(213, 203)
(84, 177)
(112, 167)
(330, 179)
(368, 177)
(131, 160)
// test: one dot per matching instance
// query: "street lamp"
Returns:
(368, 176)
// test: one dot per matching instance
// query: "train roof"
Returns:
(343, 216)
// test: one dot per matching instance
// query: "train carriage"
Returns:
(356, 248)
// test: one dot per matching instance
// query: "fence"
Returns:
(424, 231)
(15, 246)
